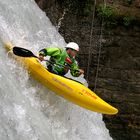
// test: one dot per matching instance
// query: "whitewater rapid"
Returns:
(29, 111)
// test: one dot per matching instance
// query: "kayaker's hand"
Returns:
(81, 71)
(41, 57)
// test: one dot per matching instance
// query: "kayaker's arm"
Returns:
(54, 52)
(75, 71)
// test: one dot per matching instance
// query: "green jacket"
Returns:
(60, 56)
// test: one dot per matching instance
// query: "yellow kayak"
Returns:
(67, 88)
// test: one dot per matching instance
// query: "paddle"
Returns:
(23, 52)
(27, 53)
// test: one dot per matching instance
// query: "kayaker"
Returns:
(62, 59)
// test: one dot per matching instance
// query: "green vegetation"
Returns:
(105, 11)
(111, 18)
(108, 14)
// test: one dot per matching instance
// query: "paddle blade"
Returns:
(23, 52)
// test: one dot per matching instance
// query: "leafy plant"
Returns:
(107, 13)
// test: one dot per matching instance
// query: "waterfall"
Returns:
(28, 110)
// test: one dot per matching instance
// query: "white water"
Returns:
(29, 111)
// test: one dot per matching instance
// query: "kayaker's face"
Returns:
(73, 53)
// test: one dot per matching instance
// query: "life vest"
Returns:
(63, 60)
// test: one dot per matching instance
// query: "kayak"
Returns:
(69, 89)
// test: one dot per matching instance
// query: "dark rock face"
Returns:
(115, 53)
(119, 82)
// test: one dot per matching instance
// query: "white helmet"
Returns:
(73, 46)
